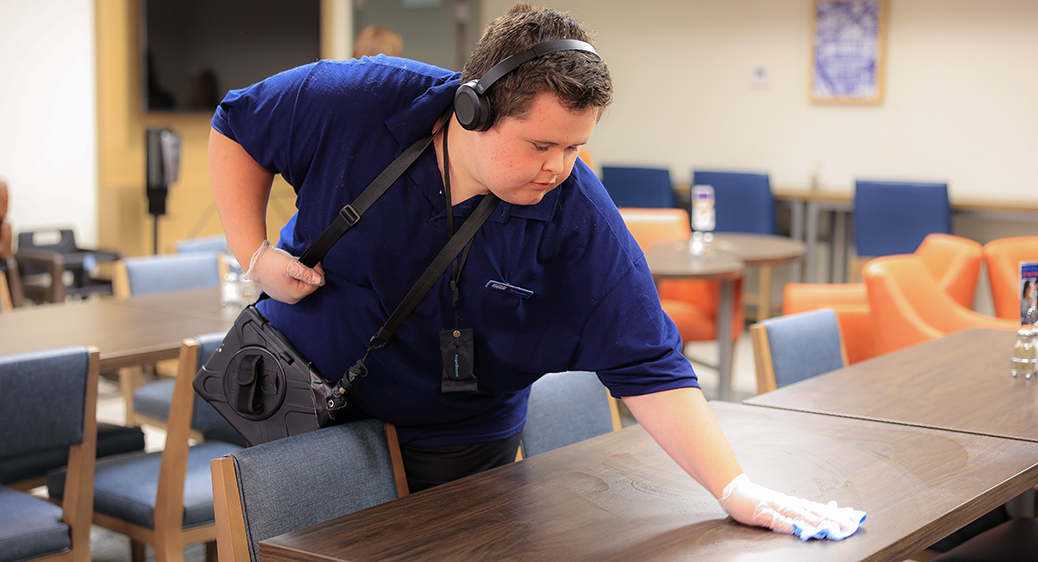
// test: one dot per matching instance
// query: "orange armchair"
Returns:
(909, 307)
(952, 260)
(691, 304)
(1003, 257)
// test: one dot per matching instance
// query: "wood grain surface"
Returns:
(620, 497)
(960, 382)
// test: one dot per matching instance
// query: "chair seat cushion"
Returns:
(153, 400)
(30, 527)
(112, 439)
(126, 486)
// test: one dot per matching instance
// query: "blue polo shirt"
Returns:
(329, 129)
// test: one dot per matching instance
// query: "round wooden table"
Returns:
(671, 260)
(732, 251)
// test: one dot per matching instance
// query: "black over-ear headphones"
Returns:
(471, 104)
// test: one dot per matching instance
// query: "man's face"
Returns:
(521, 158)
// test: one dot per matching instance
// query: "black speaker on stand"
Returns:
(163, 163)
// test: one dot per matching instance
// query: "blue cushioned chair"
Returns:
(894, 217)
(151, 402)
(291, 483)
(789, 349)
(25, 472)
(638, 187)
(153, 274)
(743, 203)
(49, 399)
(165, 498)
(565, 408)
(167, 272)
(216, 243)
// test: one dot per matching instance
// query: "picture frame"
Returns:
(848, 51)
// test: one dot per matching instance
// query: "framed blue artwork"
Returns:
(848, 51)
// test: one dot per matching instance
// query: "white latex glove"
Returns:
(751, 504)
(281, 275)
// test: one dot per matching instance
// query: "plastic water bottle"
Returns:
(703, 221)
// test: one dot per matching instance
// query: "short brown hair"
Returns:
(580, 80)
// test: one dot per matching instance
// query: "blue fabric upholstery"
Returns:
(42, 406)
(565, 408)
(153, 274)
(313, 477)
(30, 527)
(114, 496)
(803, 345)
(1013, 541)
(153, 399)
(894, 217)
(638, 187)
(55, 377)
(743, 201)
(111, 440)
(217, 243)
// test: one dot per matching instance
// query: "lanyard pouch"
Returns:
(458, 354)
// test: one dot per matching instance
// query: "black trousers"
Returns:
(431, 466)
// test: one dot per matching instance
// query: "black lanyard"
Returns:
(457, 265)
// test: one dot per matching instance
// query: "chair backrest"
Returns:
(167, 272)
(1003, 257)
(216, 243)
(287, 484)
(61, 240)
(908, 306)
(742, 201)
(638, 187)
(954, 262)
(652, 226)
(64, 414)
(566, 408)
(894, 217)
(5, 293)
(154, 399)
(789, 349)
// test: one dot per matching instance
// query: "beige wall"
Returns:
(959, 102)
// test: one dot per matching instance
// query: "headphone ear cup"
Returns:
(472, 109)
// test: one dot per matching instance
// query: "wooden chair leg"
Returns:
(763, 293)
(130, 379)
(136, 551)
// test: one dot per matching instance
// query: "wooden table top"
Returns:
(671, 260)
(620, 497)
(203, 302)
(759, 249)
(960, 382)
(127, 333)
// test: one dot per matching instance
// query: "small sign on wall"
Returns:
(848, 51)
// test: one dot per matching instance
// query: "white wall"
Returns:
(960, 100)
(48, 114)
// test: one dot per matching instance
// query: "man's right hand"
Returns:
(281, 275)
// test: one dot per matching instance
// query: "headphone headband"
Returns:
(471, 104)
(539, 50)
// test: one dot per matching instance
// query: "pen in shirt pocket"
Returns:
(509, 288)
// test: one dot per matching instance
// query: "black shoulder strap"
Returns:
(350, 214)
(439, 264)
